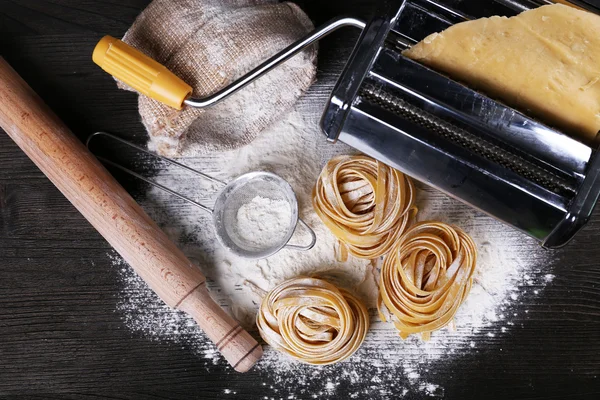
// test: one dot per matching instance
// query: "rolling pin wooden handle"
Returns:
(242, 350)
(119, 219)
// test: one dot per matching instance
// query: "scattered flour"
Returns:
(510, 267)
(429, 388)
(262, 222)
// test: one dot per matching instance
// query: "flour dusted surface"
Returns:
(511, 268)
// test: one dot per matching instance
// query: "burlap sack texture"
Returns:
(208, 44)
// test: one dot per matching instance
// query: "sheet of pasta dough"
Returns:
(545, 61)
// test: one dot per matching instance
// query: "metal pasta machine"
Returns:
(455, 139)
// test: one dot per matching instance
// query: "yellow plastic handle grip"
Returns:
(140, 72)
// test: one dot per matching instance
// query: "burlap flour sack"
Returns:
(210, 43)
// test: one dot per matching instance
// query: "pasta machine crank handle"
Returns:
(154, 80)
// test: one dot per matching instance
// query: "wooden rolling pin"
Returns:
(111, 210)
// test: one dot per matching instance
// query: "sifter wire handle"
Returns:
(147, 180)
(307, 247)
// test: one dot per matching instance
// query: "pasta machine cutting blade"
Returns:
(435, 129)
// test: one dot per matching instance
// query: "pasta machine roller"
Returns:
(435, 129)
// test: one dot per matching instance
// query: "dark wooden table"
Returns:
(59, 334)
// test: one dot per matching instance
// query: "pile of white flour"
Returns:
(511, 267)
(262, 222)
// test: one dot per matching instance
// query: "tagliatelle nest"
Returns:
(366, 204)
(426, 277)
(313, 321)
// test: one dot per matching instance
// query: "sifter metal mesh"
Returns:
(242, 191)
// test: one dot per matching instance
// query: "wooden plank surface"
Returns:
(59, 334)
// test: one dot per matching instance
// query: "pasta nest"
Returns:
(313, 321)
(426, 277)
(366, 204)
